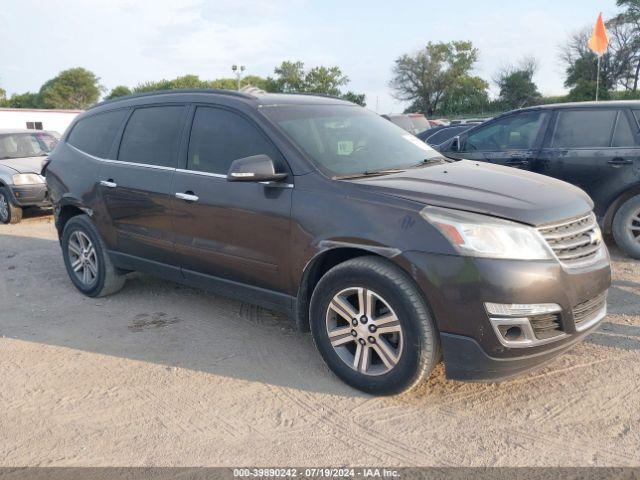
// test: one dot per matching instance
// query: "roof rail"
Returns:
(218, 91)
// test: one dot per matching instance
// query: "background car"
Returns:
(437, 135)
(593, 145)
(412, 122)
(22, 153)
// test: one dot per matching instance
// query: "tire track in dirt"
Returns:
(333, 421)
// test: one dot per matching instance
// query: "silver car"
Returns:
(22, 153)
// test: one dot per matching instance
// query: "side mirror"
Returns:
(257, 168)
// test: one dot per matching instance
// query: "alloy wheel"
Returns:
(364, 331)
(634, 226)
(83, 258)
(4, 208)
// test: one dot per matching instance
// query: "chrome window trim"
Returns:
(204, 174)
(220, 175)
(181, 170)
(120, 162)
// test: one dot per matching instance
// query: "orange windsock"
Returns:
(599, 41)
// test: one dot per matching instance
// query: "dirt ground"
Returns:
(164, 375)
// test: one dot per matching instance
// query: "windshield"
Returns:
(21, 145)
(348, 140)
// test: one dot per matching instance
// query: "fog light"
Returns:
(521, 309)
(513, 333)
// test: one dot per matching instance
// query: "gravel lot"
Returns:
(161, 374)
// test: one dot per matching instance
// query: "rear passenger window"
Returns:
(95, 134)
(637, 115)
(218, 137)
(584, 128)
(152, 136)
(623, 135)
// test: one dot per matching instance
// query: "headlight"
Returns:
(478, 235)
(27, 179)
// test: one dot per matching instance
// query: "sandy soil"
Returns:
(161, 374)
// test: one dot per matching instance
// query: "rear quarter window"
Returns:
(584, 128)
(95, 134)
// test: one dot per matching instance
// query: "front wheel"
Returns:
(9, 213)
(626, 227)
(372, 326)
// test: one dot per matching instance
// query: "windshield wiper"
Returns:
(367, 173)
(427, 161)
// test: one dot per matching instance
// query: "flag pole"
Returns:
(598, 79)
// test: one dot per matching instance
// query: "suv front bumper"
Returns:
(457, 289)
(30, 195)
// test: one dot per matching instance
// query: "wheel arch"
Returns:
(331, 254)
(66, 210)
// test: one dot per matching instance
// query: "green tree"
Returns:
(291, 77)
(517, 88)
(426, 77)
(467, 95)
(119, 91)
(358, 98)
(23, 100)
(3, 96)
(76, 88)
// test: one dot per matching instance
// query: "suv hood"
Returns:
(484, 188)
(24, 165)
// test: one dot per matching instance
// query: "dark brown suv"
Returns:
(391, 255)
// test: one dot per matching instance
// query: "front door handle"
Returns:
(619, 161)
(187, 197)
(108, 183)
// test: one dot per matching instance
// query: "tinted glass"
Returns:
(218, 137)
(21, 145)
(623, 135)
(637, 115)
(152, 136)
(349, 140)
(95, 134)
(584, 128)
(445, 134)
(515, 132)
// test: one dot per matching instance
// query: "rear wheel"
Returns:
(626, 227)
(87, 261)
(9, 213)
(372, 327)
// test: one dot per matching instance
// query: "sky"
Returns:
(125, 42)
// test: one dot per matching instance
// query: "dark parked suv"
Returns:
(316, 207)
(594, 145)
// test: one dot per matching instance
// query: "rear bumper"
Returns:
(457, 288)
(30, 195)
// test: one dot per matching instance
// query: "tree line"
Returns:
(78, 88)
(437, 80)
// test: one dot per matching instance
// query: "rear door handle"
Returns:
(619, 161)
(108, 183)
(187, 197)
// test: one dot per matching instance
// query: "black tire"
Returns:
(108, 278)
(10, 213)
(420, 352)
(626, 227)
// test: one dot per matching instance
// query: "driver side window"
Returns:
(515, 132)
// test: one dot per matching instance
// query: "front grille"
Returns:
(575, 242)
(586, 311)
(546, 326)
